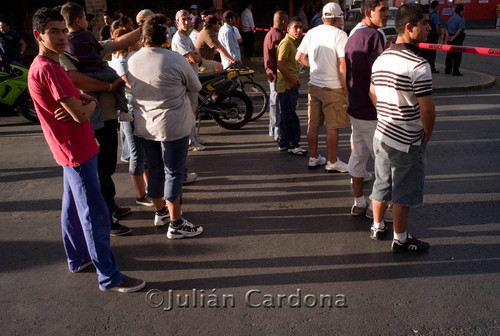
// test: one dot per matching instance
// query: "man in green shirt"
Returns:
(288, 89)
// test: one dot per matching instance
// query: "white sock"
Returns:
(360, 201)
(380, 225)
(402, 237)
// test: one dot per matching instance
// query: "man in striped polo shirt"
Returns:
(401, 90)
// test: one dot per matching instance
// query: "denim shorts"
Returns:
(399, 176)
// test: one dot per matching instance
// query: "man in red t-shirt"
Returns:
(64, 115)
(271, 42)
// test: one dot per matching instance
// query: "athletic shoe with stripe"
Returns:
(412, 245)
(184, 230)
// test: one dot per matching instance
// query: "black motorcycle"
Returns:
(228, 107)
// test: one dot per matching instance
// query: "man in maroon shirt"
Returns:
(271, 42)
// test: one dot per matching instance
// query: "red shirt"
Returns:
(271, 42)
(71, 143)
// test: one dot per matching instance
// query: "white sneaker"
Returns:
(297, 151)
(196, 147)
(190, 178)
(162, 219)
(314, 162)
(367, 178)
(186, 229)
(336, 166)
(387, 214)
(125, 116)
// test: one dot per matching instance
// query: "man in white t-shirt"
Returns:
(182, 44)
(322, 49)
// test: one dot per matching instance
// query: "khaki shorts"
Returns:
(207, 66)
(327, 107)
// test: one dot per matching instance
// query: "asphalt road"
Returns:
(278, 241)
(481, 63)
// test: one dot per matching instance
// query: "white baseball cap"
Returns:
(332, 10)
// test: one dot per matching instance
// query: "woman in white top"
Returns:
(159, 79)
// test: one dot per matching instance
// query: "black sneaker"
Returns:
(120, 212)
(129, 285)
(144, 200)
(119, 230)
(83, 265)
(378, 234)
(412, 245)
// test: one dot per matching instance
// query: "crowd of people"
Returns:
(385, 96)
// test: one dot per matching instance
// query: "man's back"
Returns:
(399, 76)
(271, 42)
(361, 50)
(84, 51)
(228, 40)
(206, 43)
(324, 45)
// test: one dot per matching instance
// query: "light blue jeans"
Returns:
(132, 146)
(273, 111)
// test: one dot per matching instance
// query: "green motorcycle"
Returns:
(14, 93)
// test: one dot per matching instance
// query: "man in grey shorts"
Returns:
(401, 90)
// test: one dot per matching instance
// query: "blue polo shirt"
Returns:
(455, 23)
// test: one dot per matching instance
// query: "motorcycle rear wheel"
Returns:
(25, 108)
(233, 110)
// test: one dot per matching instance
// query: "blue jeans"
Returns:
(166, 167)
(136, 152)
(273, 111)
(289, 124)
(86, 223)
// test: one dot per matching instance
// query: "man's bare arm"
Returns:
(226, 55)
(427, 115)
(193, 57)
(90, 84)
(342, 72)
(373, 96)
(79, 111)
(302, 58)
(126, 40)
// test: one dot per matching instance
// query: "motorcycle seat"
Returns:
(210, 75)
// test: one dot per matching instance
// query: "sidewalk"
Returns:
(440, 81)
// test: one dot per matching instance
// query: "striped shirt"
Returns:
(399, 76)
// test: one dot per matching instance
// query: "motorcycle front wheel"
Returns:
(232, 110)
(26, 108)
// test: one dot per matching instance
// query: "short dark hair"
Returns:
(409, 13)
(294, 19)
(90, 17)
(369, 4)
(154, 29)
(459, 9)
(4, 20)
(108, 13)
(43, 16)
(434, 4)
(72, 11)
